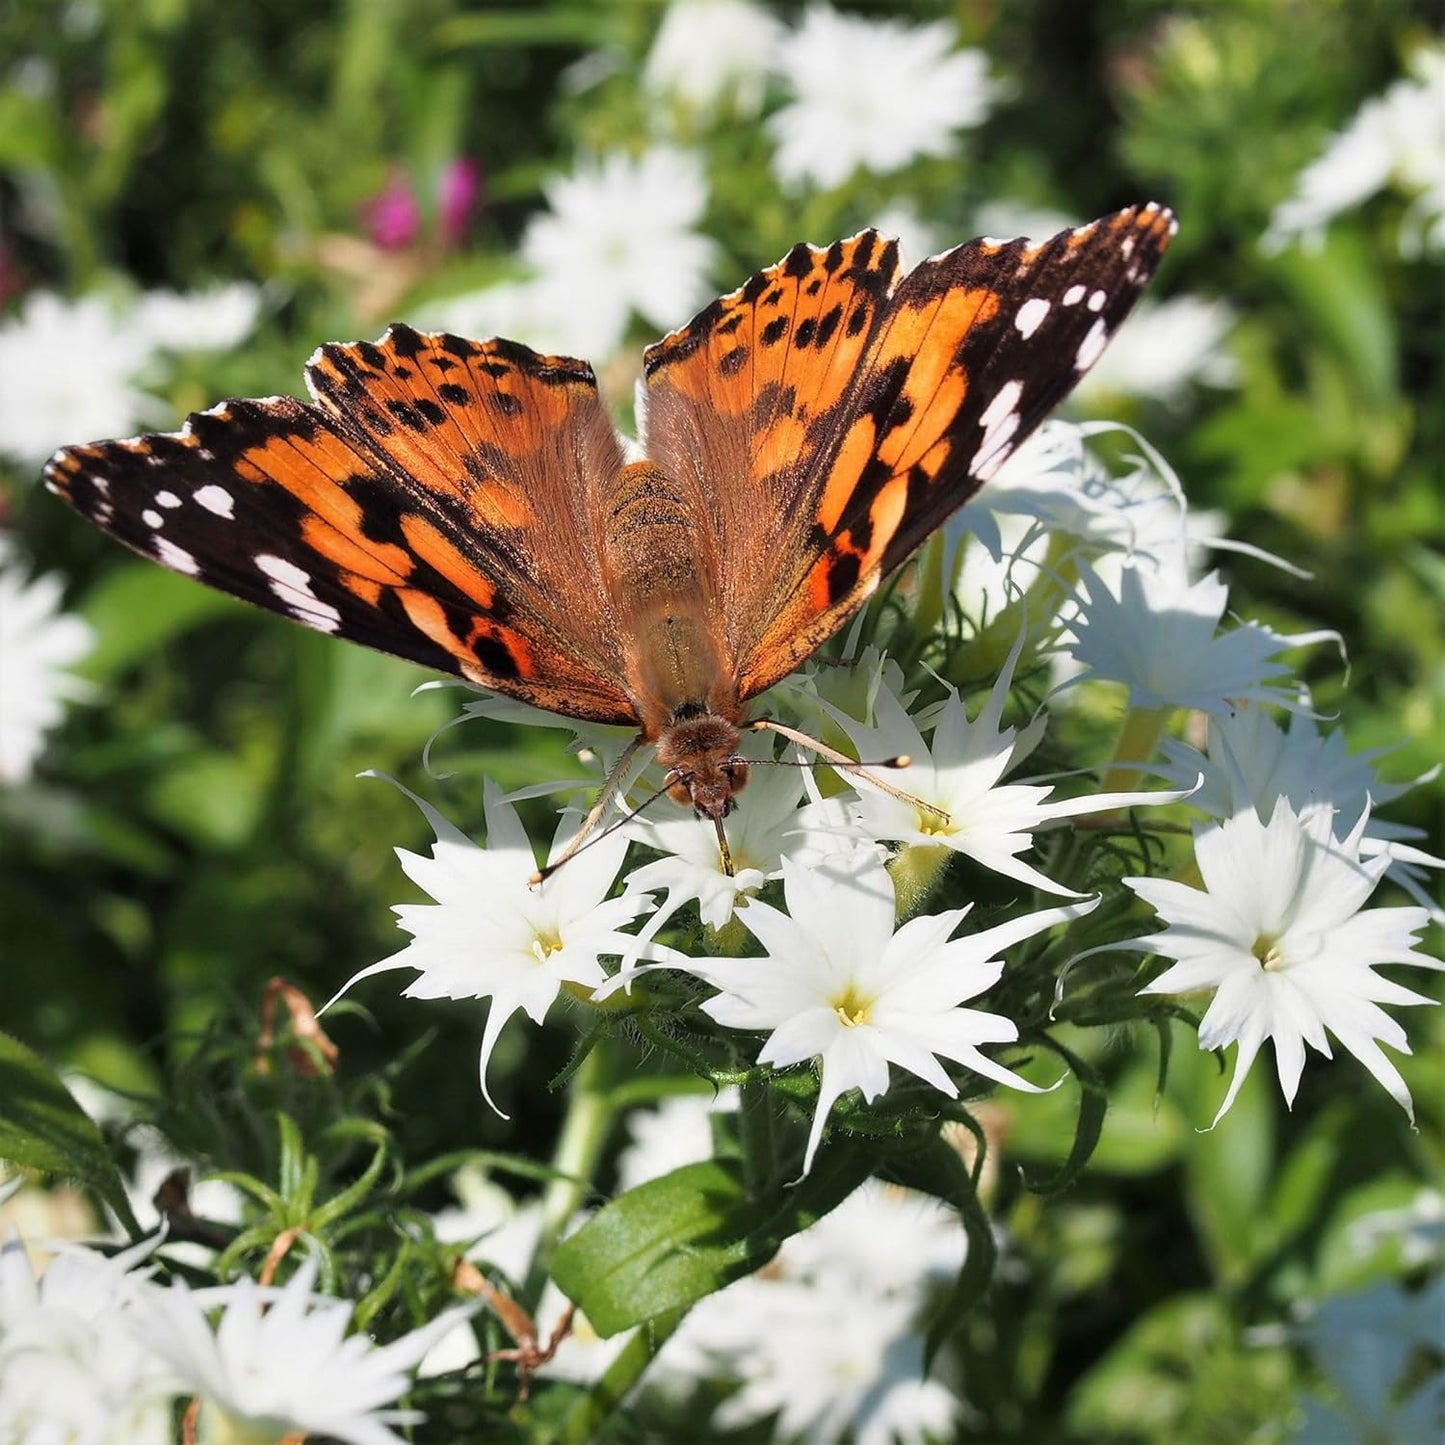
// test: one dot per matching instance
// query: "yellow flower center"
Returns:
(1267, 950)
(544, 945)
(852, 1008)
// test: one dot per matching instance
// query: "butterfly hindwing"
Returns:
(274, 503)
(957, 363)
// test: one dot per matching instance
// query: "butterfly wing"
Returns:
(425, 507)
(955, 365)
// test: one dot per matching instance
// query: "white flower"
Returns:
(491, 934)
(874, 93)
(707, 52)
(766, 828)
(213, 320)
(677, 1132)
(1166, 346)
(67, 373)
(1159, 638)
(1252, 762)
(1278, 933)
(72, 1367)
(830, 1366)
(1399, 138)
(620, 237)
(37, 643)
(1056, 487)
(71, 370)
(840, 986)
(970, 810)
(289, 1367)
(882, 1242)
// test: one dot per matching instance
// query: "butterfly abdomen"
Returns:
(659, 562)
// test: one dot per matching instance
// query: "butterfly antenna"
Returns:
(850, 765)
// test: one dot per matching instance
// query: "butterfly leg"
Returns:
(605, 799)
(847, 764)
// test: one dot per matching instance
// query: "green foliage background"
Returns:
(199, 829)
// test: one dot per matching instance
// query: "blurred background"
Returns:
(195, 194)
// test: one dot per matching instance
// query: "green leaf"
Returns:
(1339, 290)
(676, 1239)
(43, 1128)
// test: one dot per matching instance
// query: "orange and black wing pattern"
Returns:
(426, 506)
(842, 454)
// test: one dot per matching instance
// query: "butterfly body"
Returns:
(469, 506)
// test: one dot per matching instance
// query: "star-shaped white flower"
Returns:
(1396, 138)
(708, 53)
(1160, 637)
(492, 934)
(72, 1365)
(47, 400)
(1251, 762)
(288, 1366)
(37, 643)
(619, 236)
(840, 986)
(874, 93)
(968, 809)
(1278, 933)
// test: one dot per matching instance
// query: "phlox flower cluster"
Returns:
(1395, 140)
(622, 235)
(844, 965)
(95, 1351)
(39, 642)
(81, 367)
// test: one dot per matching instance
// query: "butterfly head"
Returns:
(700, 752)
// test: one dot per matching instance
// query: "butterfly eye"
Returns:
(736, 772)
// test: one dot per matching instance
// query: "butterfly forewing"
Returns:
(282, 506)
(746, 400)
(465, 504)
(972, 351)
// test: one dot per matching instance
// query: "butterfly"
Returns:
(469, 506)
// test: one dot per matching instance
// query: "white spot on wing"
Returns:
(1000, 420)
(1030, 316)
(1092, 346)
(175, 557)
(1073, 295)
(292, 584)
(167, 499)
(216, 499)
(153, 519)
(1096, 300)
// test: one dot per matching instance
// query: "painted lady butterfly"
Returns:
(468, 505)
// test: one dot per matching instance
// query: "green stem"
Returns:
(1138, 742)
(590, 1108)
(583, 1420)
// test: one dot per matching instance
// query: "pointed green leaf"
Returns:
(43, 1128)
(676, 1239)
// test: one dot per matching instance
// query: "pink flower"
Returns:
(392, 215)
(458, 188)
